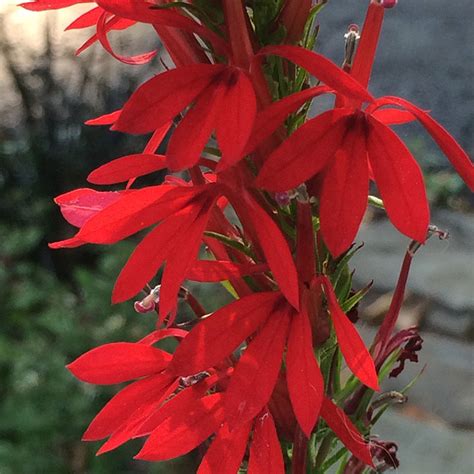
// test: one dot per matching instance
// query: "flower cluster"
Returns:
(265, 368)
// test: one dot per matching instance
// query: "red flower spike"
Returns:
(124, 404)
(352, 346)
(127, 167)
(400, 181)
(305, 381)
(305, 152)
(265, 450)
(151, 253)
(164, 96)
(345, 430)
(255, 376)
(455, 154)
(226, 451)
(276, 251)
(182, 432)
(344, 191)
(322, 68)
(118, 362)
(79, 205)
(220, 270)
(218, 335)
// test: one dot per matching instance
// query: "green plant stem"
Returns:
(323, 452)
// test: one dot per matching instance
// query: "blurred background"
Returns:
(55, 305)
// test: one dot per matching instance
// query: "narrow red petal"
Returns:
(344, 192)
(182, 432)
(399, 180)
(218, 335)
(305, 152)
(305, 382)
(161, 98)
(107, 119)
(351, 344)
(265, 450)
(393, 116)
(121, 407)
(255, 376)
(453, 151)
(127, 167)
(40, 5)
(345, 430)
(220, 270)
(226, 451)
(322, 68)
(86, 20)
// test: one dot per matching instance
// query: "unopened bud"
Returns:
(388, 3)
(149, 303)
(352, 39)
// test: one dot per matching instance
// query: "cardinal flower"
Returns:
(348, 145)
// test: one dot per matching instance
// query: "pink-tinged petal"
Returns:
(182, 402)
(79, 205)
(399, 180)
(305, 382)
(136, 211)
(453, 151)
(235, 118)
(255, 376)
(103, 28)
(226, 451)
(305, 152)
(220, 270)
(344, 191)
(188, 243)
(118, 362)
(161, 98)
(322, 68)
(193, 132)
(86, 20)
(345, 430)
(183, 431)
(150, 254)
(270, 118)
(265, 451)
(107, 119)
(276, 250)
(121, 407)
(393, 116)
(369, 38)
(40, 5)
(218, 335)
(127, 167)
(351, 344)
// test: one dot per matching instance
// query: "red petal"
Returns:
(365, 55)
(79, 205)
(399, 180)
(193, 132)
(118, 362)
(344, 192)
(269, 119)
(40, 5)
(352, 346)
(161, 98)
(226, 451)
(135, 211)
(456, 155)
(276, 250)
(217, 336)
(322, 68)
(235, 118)
(121, 407)
(346, 431)
(182, 432)
(254, 379)
(127, 167)
(393, 116)
(219, 270)
(305, 152)
(305, 382)
(265, 451)
(86, 20)
(160, 334)
(150, 254)
(106, 119)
